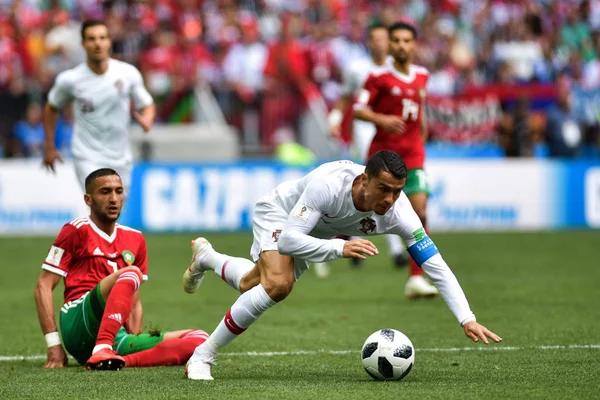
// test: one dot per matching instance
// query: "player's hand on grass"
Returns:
(358, 248)
(50, 157)
(145, 122)
(476, 331)
(57, 358)
(392, 123)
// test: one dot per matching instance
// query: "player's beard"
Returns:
(104, 216)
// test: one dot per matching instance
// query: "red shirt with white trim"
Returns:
(84, 255)
(390, 92)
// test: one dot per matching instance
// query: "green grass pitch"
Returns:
(536, 290)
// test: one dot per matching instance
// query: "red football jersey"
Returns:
(388, 91)
(84, 255)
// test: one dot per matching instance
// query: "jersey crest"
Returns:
(368, 225)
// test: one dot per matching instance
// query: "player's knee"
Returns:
(127, 271)
(278, 288)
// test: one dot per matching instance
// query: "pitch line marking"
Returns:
(341, 352)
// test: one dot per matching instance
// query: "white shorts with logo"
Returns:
(267, 224)
(85, 167)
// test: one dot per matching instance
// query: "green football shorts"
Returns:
(416, 182)
(79, 324)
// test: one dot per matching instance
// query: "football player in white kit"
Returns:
(295, 225)
(101, 90)
(363, 132)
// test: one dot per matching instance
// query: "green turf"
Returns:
(534, 289)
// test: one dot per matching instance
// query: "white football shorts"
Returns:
(85, 167)
(267, 224)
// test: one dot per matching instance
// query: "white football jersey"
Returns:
(102, 109)
(319, 207)
(356, 74)
(324, 197)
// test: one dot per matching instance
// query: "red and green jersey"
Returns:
(390, 92)
(84, 255)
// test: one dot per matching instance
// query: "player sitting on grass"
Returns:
(103, 264)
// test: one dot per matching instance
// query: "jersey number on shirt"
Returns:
(410, 109)
(114, 265)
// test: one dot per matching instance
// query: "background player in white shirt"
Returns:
(362, 131)
(101, 90)
(293, 226)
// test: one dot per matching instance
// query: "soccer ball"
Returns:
(388, 355)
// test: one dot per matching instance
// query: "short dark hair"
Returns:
(91, 178)
(388, 161)
(375, 26)
(400, 25)
(88, 23)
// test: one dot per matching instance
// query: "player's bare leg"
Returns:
(417, 286)
(205, 258)
(118, 290)
(276, 282)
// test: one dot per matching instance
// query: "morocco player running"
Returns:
(293, 226)
(392, 98)
(103, 265)
(101, 90)
(362, 131)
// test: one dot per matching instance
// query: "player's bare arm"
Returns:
(336, 116)
(391, 123)
(47, 282)
(51, 155)
(424, 126)
(145, 117)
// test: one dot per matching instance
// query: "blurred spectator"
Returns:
(515, 133)
(180, 45)
(287, 85)
(30, 131)
(243, 67)
(564, 133)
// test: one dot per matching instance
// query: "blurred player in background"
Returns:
(101, 90)
(103, 264)
(393, 99)
(293, 226)
(362, 131)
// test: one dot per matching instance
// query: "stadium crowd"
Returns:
(265, 60)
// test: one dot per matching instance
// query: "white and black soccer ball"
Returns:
(388, 355)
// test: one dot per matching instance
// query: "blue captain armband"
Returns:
(423, 250)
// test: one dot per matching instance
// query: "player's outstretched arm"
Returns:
(145, 117)
(57, 358)
(50, 153)
(475, 331)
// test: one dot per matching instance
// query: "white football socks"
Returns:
(232, 269)
(247, 309)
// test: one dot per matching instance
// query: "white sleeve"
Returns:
(349, 86)
(295, 240)
(61, 91)
(411, 230)
(139, 94)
